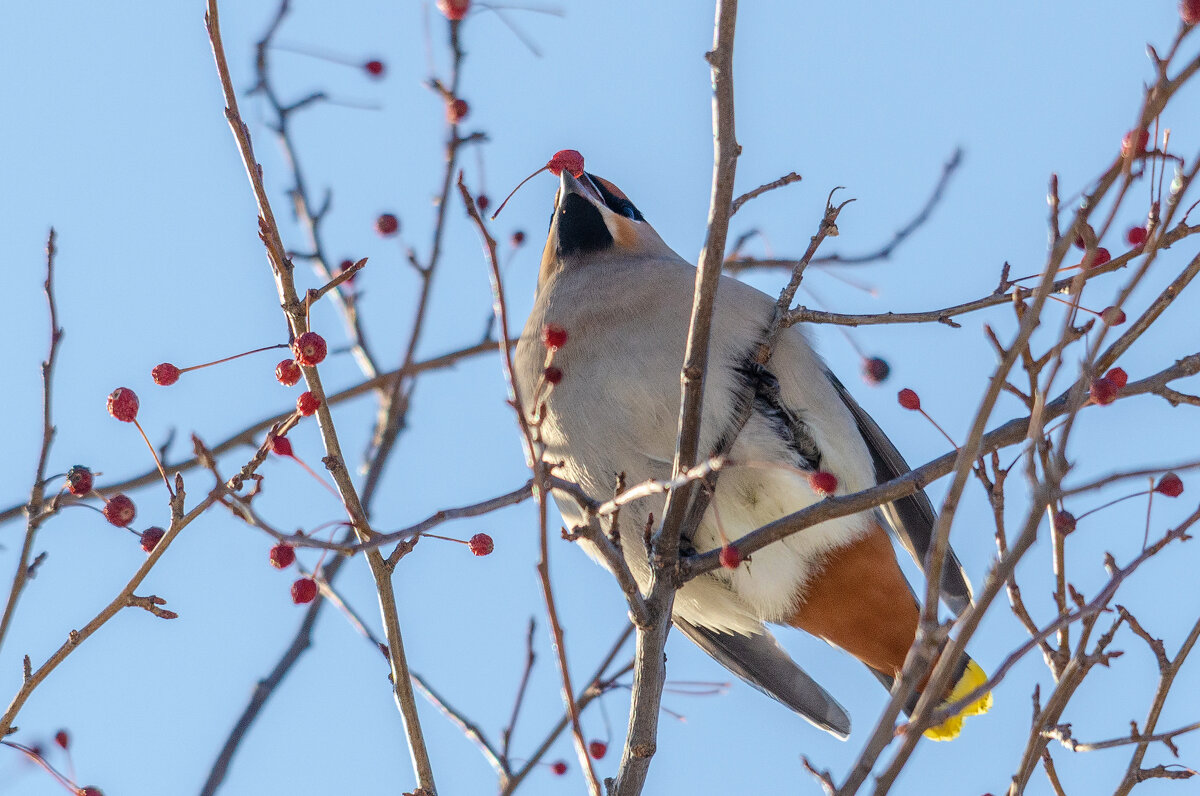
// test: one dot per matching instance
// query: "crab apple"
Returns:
(304, 591)
(281, 446)
(123, 404)
(876, 370)
(1170, 485)
(482, 202)
(559, 767)
(552, 374)
(1136, 236)
(1103, 391)
(823, 483)
(310, 349)
(1118, 376)
(518, 238)
(119, 510)
(79, 480)
(554, 336)
(287, 372)
(597, 749)
(909, 399)
(307, 403)
(454, 9)
(568, 160)
(481, 544)
(151, 537)
(387, 225)
(165, 374)
(374, 68)
(730, 557)
(1189, 11)
(1138, 138)
(1100, 257)
(1064, 521)
(1113, 316)
(457, 110)
(282, 556)
(62, 739)
(90, 790)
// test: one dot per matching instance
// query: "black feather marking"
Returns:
(581, 228)
(762, 387)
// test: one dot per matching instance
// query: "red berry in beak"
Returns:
(123, 404)
(909, 399)
(165, 374)
(282, 556)
(307, 403)
(119, 510)
(566, 159)
(79, 480)
(310, 349)
(287, 372)
(481, 544)
(304, 591)
(151, 537)
(387, 225)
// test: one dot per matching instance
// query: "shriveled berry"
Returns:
(1136, 236)
(287, 372)
(1170, 485)
(457, 110)
(876, 370)
(1098, 258)
(518, 238)
(123, 404)
(454, 9)
(307, 403)
(1064, 521)
(79, 480)
(62, 739)
(165, 374)
(387, 225)
(1103, 391)
(151, 537)
(482, 202)
(1135, 138)
(559, 767)
(119, 510)
(310, 349)
(281, 446)
(730, 557)
(554, 336)
(374, 68)
(909, 399)
(481, 544)
(282, 556)
(552, 374)
(597, 749)
(1189, 11)
(304, 591)
(566, 159)
(823, 483)
(1118, 376)
(1113, 316)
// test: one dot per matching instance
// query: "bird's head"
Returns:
(595, 221)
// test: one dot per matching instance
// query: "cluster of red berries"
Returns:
(1104, 390)
(554, 337)
(309, 349)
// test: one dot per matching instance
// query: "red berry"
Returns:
(387, 225)
(823, 483)
(1064, 521)
(553, 374)
(123, 404)
(1103, 391)
(119, 510)
(304, 591)
(559, 767)
(730, 557)
(481, 544)
(554, 336)
(307, 403)
(597, 749)
(1142, 138)
(151, 537)
(457, 110)
(1189, 11)
(567, 159)
(374, 68)
(1113, 316)
(518, 238)
(287, 372)
(282, 556)
(89, 790)
(1170, 485)
(1099, 257)
(482, 202)
(1136, 236)
(909, 399)
(165, 374)
(1118, 376)
(62, 739)
(281, 446)
(79, 480)
(454, 9)
(310, 349)
(876, 370)
(1080, 242)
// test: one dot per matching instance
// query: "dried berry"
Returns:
(552, 374)
(597, 749)
(281, 446)
(123, 404)
(482, 202)
(1064, 521)
(1103, 391)
(1113, 316)
(310, 349)
(554, 336)
(165, 374)
(568, 160)
(454, 9)
(1099, 257)
(287, 372)
(151, 537)
(1136, 236)
(909, 399)
(457, 110)
(119, 510)
(1118, 376)
(730, 557)
(1189, 11)
(79, 480)
(1139, 138)
(481, 544)
(374, 68)
(559, 767)
(876, 370)
(307, 403)
(304, 591)
(387, 225)
(1170, 485)
(62, 739)
(282, 556)
(823, 483)
(518, 239)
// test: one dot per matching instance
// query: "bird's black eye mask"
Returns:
(618, 204)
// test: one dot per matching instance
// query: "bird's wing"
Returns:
(761, 662)
(911, 518)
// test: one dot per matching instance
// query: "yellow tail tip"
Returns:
(973, 677)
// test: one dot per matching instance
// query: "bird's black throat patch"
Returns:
(581, 228)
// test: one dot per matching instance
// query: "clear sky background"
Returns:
(113, 132)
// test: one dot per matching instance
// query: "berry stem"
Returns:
(1113, 503)
(313, 473)
(161, 470)
(235, 356)
(939, 428)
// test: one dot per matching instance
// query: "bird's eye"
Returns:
(628, 210)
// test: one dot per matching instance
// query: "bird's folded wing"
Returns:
(911, 518)
(761, 662)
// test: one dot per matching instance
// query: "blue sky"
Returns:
(114, 134)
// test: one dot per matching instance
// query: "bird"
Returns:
(619, 299)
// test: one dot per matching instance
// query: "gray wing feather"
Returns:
(761, 662)
(911, 518)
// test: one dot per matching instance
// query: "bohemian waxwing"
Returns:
(624, 298)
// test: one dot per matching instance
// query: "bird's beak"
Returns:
(583, 186)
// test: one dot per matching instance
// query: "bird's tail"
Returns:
(971, 678)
